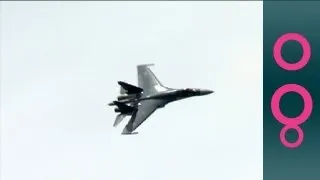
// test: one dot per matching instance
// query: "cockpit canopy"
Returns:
(192, 91)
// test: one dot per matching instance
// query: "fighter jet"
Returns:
(140, 102)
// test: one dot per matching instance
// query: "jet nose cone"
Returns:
(206, 92)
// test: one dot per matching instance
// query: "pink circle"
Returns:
(305, 47)
(275, 104)
(284, 140)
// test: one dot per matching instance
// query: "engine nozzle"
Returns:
(126, 96)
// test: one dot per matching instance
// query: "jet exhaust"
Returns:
(127, 97)
(124, 108)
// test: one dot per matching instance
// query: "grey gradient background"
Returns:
(280, 162)
(60, 65)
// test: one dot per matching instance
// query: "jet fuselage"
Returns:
(169, 95)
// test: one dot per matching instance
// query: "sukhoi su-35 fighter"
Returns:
(141, 101)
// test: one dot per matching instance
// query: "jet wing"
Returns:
(148, 81)
(146, 108)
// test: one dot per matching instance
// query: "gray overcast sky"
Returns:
(60, 64)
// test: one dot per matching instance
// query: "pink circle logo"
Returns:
(291, 123)
(305, 47)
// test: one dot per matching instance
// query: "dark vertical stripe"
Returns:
(280, 162)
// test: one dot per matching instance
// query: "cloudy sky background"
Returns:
(60, 62)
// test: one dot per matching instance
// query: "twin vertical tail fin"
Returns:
(122, 91)
(118, 120)
(126, 88)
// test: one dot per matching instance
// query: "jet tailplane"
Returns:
(118, 120)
